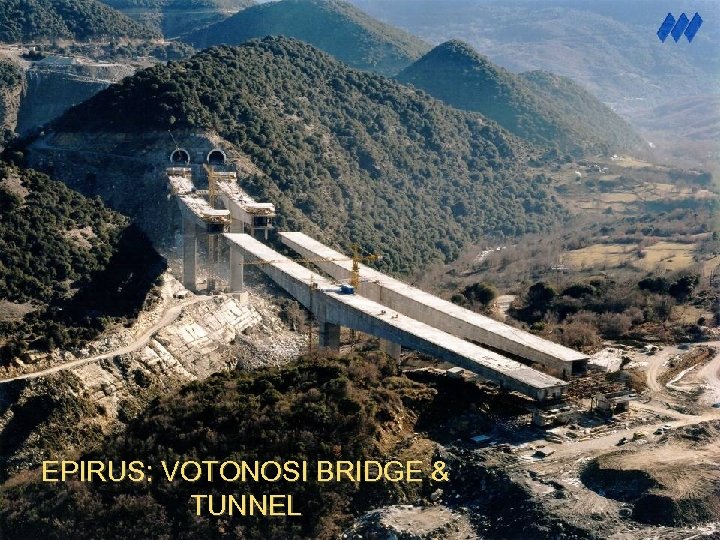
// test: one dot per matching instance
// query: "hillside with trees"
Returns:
(333, 26)
(544, 109)
(312, 409)
(11, 80)
(346, 155)
(68, 265)
(80, 20)
(175, 17)
(585, 116)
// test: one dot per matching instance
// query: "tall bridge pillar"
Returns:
(189, 255)
(237, 270)
(390, 348)
(213, 255)
(329, 336)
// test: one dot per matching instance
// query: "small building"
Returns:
(613, 402)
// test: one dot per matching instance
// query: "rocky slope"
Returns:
(39, 92)
(68, 81)
(73, 409)
(10, 91)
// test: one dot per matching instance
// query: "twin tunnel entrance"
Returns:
(181, 157)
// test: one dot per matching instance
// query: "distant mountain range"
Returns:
(609, 46)
(333, 26)
(346, 155)
(538, 106)
(80, 20)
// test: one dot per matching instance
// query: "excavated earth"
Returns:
(673, 482)
(50, 86)
(73, 408)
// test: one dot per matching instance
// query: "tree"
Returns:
(480, 293)
(682, 288)
(654, 284)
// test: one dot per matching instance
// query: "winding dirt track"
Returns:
(711, 373)
(170, 315)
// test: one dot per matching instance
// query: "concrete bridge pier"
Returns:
(390, 348)
(328, 336)
(237, 270)
(189, 255)
(213, 254)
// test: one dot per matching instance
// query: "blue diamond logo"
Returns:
(679, 27)
(665, 27)
(693, 27)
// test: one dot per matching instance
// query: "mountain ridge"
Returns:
(525, 105)
(81, 20)
(334, 26)
(347, 155)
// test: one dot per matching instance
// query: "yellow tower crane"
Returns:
(212, 184)
(356, 259)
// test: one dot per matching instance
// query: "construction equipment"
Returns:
(356, 259)
(212, 184)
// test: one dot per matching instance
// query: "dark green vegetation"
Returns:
(581, 312)
(175, 17)
(476, 296)
(589, 122)
(545, 109)
(352, 156)
(119, 51)
(333, 26)
(318, 409)
(82, 20)
(10, 75)
(11, 78)
(78, 264)
(353, 408)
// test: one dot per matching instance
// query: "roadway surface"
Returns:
(169, 316)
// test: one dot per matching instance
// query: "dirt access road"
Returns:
(169, 316)
(710, 374)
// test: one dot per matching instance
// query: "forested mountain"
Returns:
(44, 20)
(589, 120)
(588, 41)
(333, 26)
(66, 262)
(175, 17)
(351, 155)
(308, 410)
(547, 110)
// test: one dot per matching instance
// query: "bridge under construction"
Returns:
(375, 303)
(334, 308)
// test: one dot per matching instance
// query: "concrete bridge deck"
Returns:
(334, 310)
(439, 313)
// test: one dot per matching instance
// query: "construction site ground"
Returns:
(670, 437)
